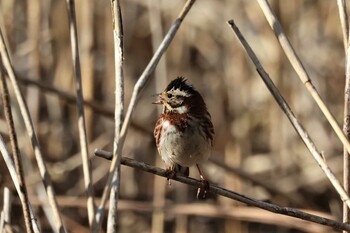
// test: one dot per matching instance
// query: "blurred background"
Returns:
(256, 150)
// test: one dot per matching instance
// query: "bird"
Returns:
(184, 132)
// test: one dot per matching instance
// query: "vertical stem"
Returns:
(119, 110)
(343, 15)
(346, 129)
(7, 205)
(80, 107)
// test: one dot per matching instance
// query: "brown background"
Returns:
(252, 134)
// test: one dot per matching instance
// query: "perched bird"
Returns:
(184, 131)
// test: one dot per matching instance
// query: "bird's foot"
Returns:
(202, 191)
(170, 174)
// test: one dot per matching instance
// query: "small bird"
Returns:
(184, 131)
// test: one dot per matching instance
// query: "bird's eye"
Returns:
(170, 95)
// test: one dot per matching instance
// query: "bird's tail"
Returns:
(182, 170)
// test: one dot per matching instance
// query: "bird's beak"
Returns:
(159, 100)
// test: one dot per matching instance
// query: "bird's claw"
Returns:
(203, 190)
(170, 174)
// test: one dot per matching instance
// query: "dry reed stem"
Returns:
(229, 194)
(118, 35)
(294, 121)
(343, 15)
(11, 167)
(6, 210)
(81, 117)
(136, 92)
(346, 129)
(16, 153)
(32, 135)
(300, 70)
(7, 206)
(346, 123)
(2, 222)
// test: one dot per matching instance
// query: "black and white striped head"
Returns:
(180, 97)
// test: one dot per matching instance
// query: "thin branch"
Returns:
(11, 167)
(119, 110)
(136, 92)
(294, 121)
(16, 152)
(80, 107)
(229, 194)
(299, 68)
(32, 135)
(343, 15)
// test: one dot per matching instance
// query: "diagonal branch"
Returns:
(229, 194)
(299, 68)
(294, 121)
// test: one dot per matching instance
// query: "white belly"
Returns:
(186, 148)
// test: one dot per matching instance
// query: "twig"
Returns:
(11, 167)
(80, 107)
(343, 15)
(136, 92)
(15, 152)
(32, 135)
(294, 121)
(119, 111)
(299, 68)
(229, 194)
